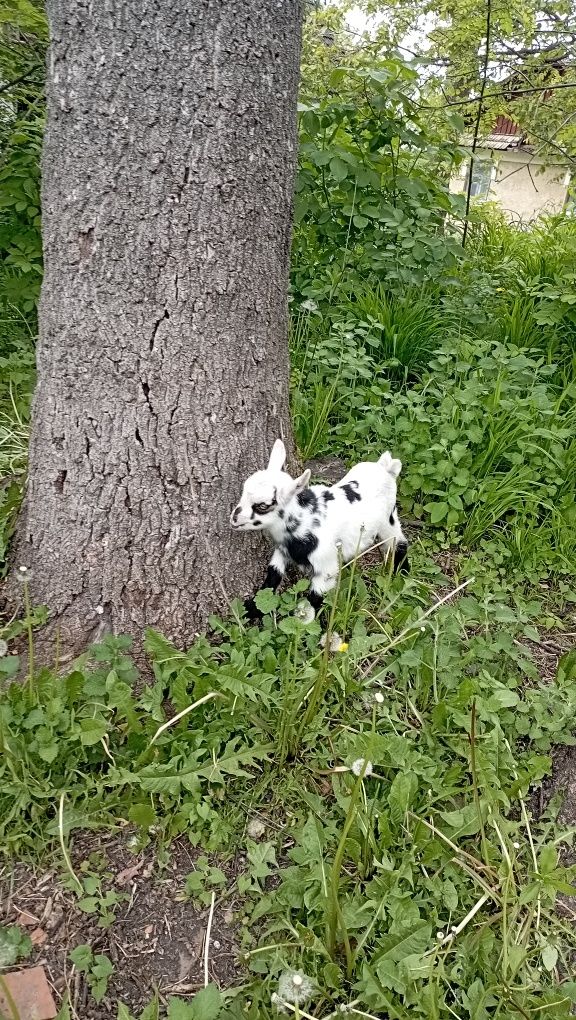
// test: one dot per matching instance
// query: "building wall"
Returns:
(521, 187)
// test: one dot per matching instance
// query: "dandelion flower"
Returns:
(3, 648)
(295, 987)
(362, 767)
(343, 646)
(24, 575)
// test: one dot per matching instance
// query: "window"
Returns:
(481, 178)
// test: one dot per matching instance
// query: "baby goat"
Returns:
(319, 527)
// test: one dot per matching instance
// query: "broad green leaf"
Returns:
(142, 815)
(9, 665)
(395, 947)
(14, 945)
(549, 957)
(206, 1004)
(81, 957)
(547, 859)
(179, 1009)
(402, 792)
(267, 601)
(92, 730)
(437, 511)
(338, 168)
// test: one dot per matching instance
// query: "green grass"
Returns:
(429, 729)
(405, 331)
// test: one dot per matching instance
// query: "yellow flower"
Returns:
(343, 646)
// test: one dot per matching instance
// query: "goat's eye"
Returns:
(263, 508)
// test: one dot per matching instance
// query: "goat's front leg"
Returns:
(276, 571)
(322, 582)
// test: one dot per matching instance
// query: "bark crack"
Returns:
(157, 324)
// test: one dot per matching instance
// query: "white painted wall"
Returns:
(520, 185)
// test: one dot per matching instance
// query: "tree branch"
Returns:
(16, 81)
(510, 91)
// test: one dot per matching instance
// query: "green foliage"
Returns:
(420, 886)
(443, 703)
(23, 37)
(530, 50)
(97, 968)
(15, 945)
(372, 191)
(470, 381)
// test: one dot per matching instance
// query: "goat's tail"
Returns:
(390, 464)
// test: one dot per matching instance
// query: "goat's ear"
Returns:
(294, 486)
(277, 457)
(301, 483)
(391, 464)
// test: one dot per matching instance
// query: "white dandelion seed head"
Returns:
(422, 627)
(362, 767)
(516, 845)
(3, 648)
(277, 1001)
(379, 698)
(440, 935)
(295, 987)
(23, 570)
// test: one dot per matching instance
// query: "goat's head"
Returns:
(266, 493)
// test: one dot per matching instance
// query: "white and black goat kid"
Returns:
(320, 527)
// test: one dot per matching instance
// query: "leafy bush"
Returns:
(372, 188)
(487, 438)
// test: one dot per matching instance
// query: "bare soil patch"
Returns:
(156, 941)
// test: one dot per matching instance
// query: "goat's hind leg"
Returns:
(320, 585)
(393, 540)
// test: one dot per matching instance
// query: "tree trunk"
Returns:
(168, 170)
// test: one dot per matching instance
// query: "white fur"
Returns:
(321, 527)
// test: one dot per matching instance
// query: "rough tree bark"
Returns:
(162, 363)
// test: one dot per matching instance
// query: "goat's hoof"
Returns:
(252, 612)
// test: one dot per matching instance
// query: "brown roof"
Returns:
(505, 126)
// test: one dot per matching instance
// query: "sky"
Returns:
(357, 21)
